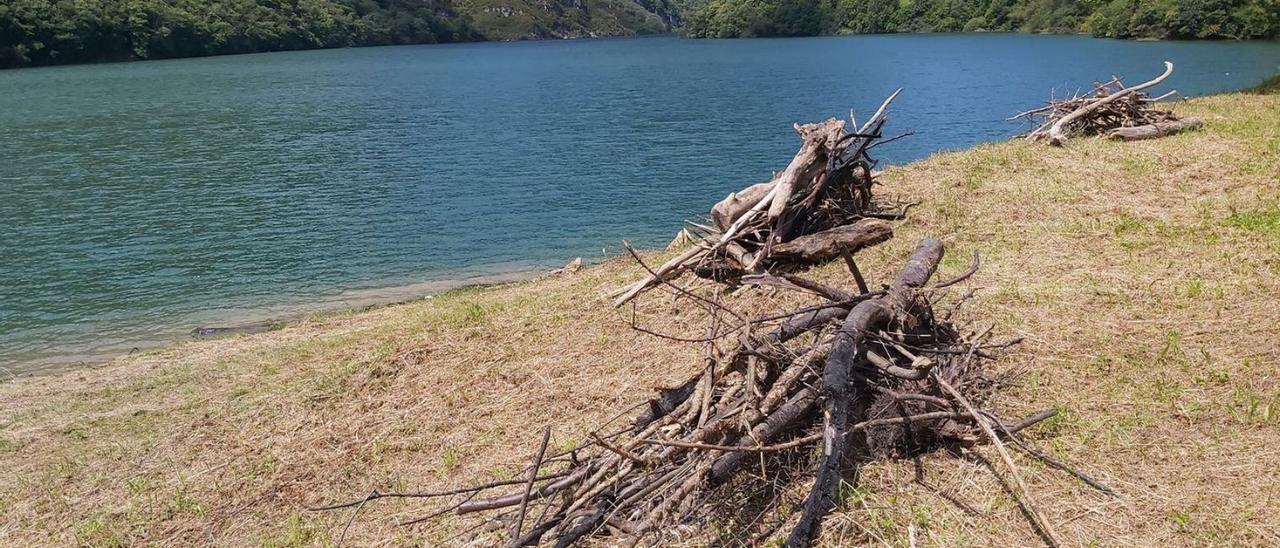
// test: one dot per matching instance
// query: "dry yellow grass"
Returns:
(1145, 277)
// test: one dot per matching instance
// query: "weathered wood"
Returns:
(681, 240)
(827, 183)
(728, 210)
(807, 163)
(830, 244)
(1057, 132)
(1151, 131)
(667, 401)
(514, 499)
(879, 114)
(838, 389)
(756, 395)
(786, 416)
(675, 266)
(528, 486)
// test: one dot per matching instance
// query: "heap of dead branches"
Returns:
(858, 374)
(1110, 109)
(796, 395)
(818, 208)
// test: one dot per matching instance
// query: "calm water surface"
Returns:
(140, 200)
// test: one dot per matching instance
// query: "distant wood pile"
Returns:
(1110, 109)
(797, 395)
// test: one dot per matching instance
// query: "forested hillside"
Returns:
(536, 19)
(46, 32)
(1110, 18)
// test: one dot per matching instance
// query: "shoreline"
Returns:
(638, 36)
(235, 322)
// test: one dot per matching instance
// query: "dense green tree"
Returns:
(761, 18)
(1239, 19)
(867, 16)
(45, 32)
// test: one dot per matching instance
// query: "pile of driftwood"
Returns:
(855, 376)
(1110, 109)
(786, 400)
(818, 208)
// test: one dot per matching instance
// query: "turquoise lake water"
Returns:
(140, 200)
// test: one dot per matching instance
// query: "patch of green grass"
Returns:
(849, 496)
(451, 459)
(1064, 420)
(1250, 407)
(98, 533)
(465, 314)
(183, 502)
(1127, 224)
(334, 383)
(920, 515)
(1266, 222)
(1216, 378)
(1195, 288)
(136, 485)
(1137, 166)
(297, 532)
(8, 445)
(375, 450)
(67, 467)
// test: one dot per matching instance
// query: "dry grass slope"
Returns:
(1145, 277)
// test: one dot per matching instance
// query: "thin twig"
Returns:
(434, 494)
(1018, 442)
(528, 485)
(343, 537)
(1025, 492)
(977, 262)
(853, 269)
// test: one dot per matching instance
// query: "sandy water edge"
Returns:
(232, 322)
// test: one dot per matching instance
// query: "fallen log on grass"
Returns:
(846, 397)
(1152, 131)
(832, 243)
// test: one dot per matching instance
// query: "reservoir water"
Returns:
(140, 200)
